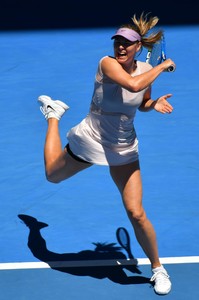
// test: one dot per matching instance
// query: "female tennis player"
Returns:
(106, 136)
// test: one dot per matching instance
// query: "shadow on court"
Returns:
(102, 253)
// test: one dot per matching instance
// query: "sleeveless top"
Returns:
(107, 135)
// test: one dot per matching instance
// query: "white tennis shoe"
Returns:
(162, 284)
(52, 108)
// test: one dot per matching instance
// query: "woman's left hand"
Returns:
(162, 105)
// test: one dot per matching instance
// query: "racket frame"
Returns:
(162, 55)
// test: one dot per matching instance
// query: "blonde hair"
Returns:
(142, 26)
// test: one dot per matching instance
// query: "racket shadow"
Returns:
(91, 263)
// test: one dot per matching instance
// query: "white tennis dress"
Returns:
(107, 135)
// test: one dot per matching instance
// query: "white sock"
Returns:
(157, 269)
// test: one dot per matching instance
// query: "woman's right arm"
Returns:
(113, 70)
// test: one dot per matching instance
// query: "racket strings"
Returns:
(156, 55)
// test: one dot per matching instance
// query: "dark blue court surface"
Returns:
(87, 209)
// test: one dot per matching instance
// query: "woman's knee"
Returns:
(51, 178)
(137, 216)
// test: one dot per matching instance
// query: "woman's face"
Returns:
(125, 50)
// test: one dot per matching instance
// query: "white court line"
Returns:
(95, 263)
(171, 260)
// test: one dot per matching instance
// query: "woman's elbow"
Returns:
(135, 88)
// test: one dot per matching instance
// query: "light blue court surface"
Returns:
(87, 209)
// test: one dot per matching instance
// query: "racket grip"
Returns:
(171, 68)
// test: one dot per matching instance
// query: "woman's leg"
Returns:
(128, 181)
(59, 165)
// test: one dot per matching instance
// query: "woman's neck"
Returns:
(131, 67)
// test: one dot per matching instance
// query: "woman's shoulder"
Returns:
(104, 61)
(107, 58)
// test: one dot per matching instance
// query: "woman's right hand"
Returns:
(169, 65)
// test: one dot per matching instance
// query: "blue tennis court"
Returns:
(85, 211)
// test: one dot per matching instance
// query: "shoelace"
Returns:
(163, 278)
(45, 111)
(42, 110)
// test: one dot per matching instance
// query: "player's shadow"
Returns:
(102, 252)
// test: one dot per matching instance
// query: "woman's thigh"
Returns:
(66, 166)
(128, 180)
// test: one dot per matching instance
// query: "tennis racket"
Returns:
(124, 240)
(157, 54)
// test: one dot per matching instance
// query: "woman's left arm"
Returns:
(160, 105)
